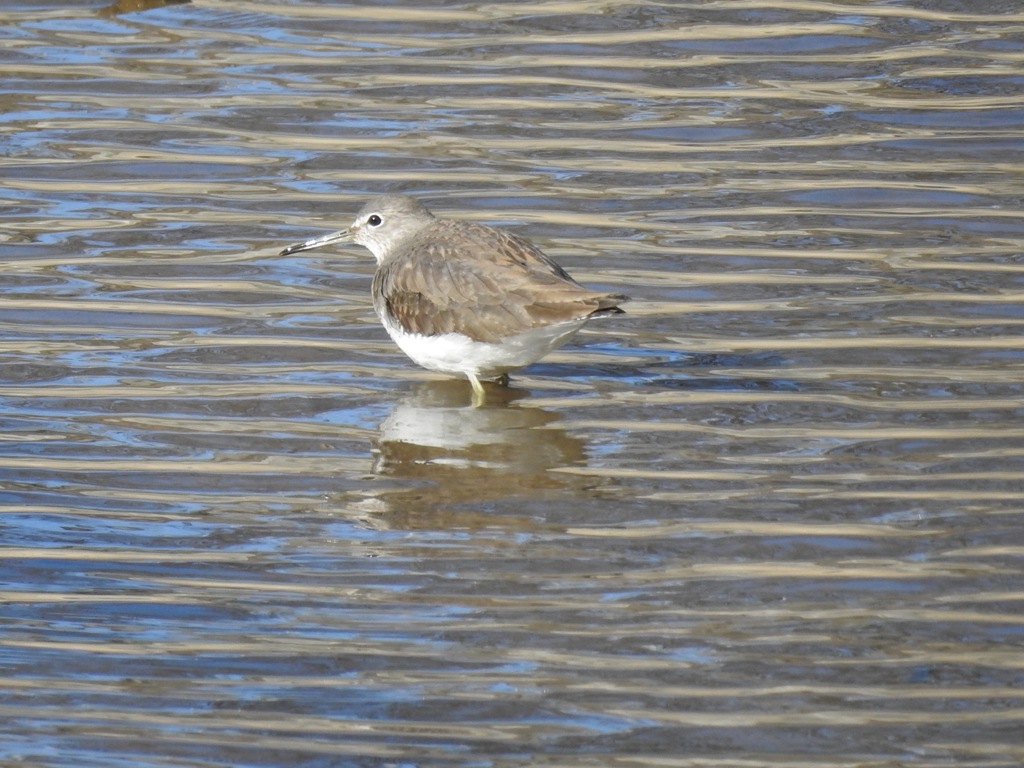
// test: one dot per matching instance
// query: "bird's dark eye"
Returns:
(374, 220)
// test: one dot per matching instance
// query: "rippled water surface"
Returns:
(771, 517)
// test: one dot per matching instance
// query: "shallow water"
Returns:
(771, 517)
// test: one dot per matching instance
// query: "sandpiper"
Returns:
(465, 299)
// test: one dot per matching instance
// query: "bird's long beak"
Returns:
(340, 236)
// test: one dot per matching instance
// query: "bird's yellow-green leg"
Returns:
(479, 394)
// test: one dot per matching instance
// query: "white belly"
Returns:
(458, 355)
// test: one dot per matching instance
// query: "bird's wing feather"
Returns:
(508, 286)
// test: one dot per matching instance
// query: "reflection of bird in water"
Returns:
(457, 456)
(131, 6)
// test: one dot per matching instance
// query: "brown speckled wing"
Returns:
(481, 282)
